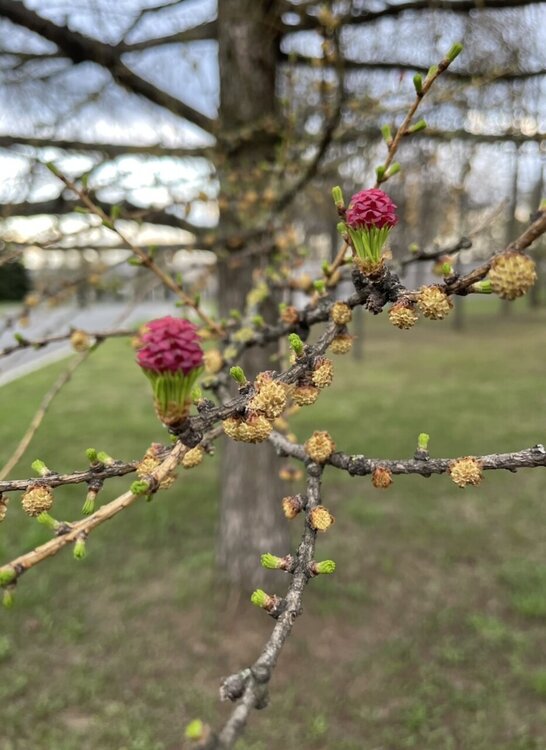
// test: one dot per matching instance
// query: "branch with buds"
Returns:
(170, 355)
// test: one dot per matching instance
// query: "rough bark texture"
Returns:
(251, 521)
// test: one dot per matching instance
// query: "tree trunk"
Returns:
(251, 520)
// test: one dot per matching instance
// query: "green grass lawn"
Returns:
(430, 634)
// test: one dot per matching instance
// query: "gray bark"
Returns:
(251, 520)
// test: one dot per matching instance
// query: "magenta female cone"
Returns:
(171, 357)
(369, 218)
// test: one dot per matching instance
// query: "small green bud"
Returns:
(337, 195)
(80, 550)
(446, 269)
(282, 306)
(418, 83)
(238, 374)
(115, 212)
(260, 599)
(419, 125)
(482, 287)
(341, 228)
(52, 168)
(235, 314)
(296, 344)
(414, 247)
(272, 562)
(196, 394)
(258, 321)
(393, 169)
(386, 133)
(319, 285)
(140, 487)
(92, 456)
(8, 598)
(194, 730)
(20, 338)
(325, 266)
(326, 567)
(40, 468)
(105, 459)
(89, 504)
(380, 173)
(46, 520)
(7, 575)
(432, 71)
(455, 51)
(422, 441)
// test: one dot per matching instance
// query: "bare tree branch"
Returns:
(81, 48)
(202, 32)
(451, 6)
(491, 76)
(109, 149)
(61, 205)
(358, 465)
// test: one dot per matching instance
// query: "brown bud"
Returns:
(149, 464)
(512, 274)
(290, 473)
(270, 400)
(290, 315)
(320, 447)
(3, 507)
(381, 477)
(465, 471)
(80, 341)
(213, 361)
(434, 302)
(304, 395)
(320, 518)
(402, 315)
(292, 505)
(342, 344)
(37, 499)
(193, 457)
(323, 373)
(341, 313)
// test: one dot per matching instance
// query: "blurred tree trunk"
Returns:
(251, 520)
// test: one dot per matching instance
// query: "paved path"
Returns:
(49, 322)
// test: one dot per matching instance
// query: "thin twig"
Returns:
(42, 410)
(144, 257)
(255, 679)
(404, 128)
(23, 343)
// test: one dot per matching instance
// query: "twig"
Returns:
(98, 473)
(259, 674)
(404, 128)
(357, 465)
(23, 343)
(144, 258)
(38, 418)
(461, 284)
(24, 562)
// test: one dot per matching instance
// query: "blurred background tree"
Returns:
(219, 128)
